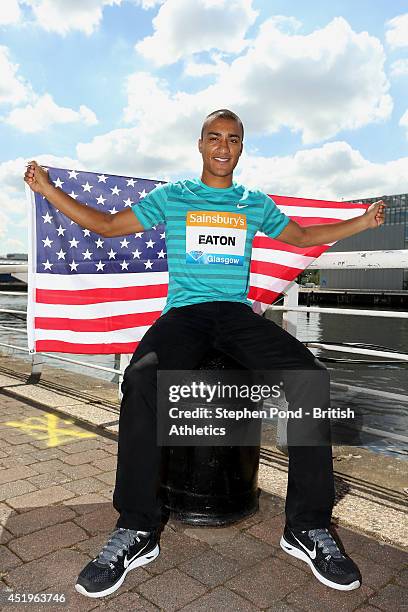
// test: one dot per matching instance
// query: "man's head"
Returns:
(220, 144)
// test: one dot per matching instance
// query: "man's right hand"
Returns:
(37, 178)
(122, 223)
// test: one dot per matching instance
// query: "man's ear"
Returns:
(200, 145)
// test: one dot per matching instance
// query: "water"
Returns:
(379, 413)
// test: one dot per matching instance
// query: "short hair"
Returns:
(223, 113)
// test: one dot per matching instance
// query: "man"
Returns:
(207, 306)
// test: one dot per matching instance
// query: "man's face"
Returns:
(221, 146)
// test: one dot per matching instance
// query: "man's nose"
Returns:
(224, 145)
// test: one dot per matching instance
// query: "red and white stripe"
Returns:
(275, 264)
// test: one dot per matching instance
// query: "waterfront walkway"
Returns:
(57, 468)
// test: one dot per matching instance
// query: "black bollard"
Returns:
(211, 485)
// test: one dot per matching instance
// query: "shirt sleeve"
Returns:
(151, 210)
(274, 220)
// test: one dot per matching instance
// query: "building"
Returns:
(392, 235)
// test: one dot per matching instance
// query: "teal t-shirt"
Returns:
(209, 234)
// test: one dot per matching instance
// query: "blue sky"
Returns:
(122, 86)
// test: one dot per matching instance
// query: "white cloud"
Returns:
(12, 177)
(14, 246)
(148, 4)
(13, 208)
(43, 113)
(399, 68)
(13, 88)
(317, 84)
(397, 31)
(4, 222)
(200, 69)
(403, 122)
(332, 171)
(62, 16)
(133, 152)
(183, 27)
(9, 12)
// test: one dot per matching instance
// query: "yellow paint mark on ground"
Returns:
(50, 428)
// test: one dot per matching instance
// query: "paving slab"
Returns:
(160, 590)
(220, 599)
(8, 381)
(43, 396)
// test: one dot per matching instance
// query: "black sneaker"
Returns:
(319, 550)
(125, 550)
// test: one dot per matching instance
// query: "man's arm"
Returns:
(105, 224)
(314, 235)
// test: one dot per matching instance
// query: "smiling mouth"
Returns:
(222, 159)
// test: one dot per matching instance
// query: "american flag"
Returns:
(95, 295)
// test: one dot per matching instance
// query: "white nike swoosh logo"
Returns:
(127, 561)
(311, 553)
(242, 205)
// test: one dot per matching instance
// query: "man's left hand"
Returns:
(375, 214)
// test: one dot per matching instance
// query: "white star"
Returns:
(86, 232)
(87, 254)
(150, 244)
(139, 235)
(100, 266)
(148, 264)
(87, 187)
(47, 265)
(73, 266)
(47, 218)
(136, 254)
(161, 254)
(115, 190)
(113, 211)
(124, 265)
(153, 227)
(112, 254)
(99, 243)
(158, 184)
(61, 254)
(73, 174)
(73, 243)
(128, 202)
(101, 200)
(102, 178)
(142, 194)
(47, 242)
(73, 223)
(61, 230)
(58, 182)
(124, 243)
(131, 182)
(73, 195)
(163, 235)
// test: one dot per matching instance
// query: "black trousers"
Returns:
(180, 339)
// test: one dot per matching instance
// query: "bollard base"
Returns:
(179, 505)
